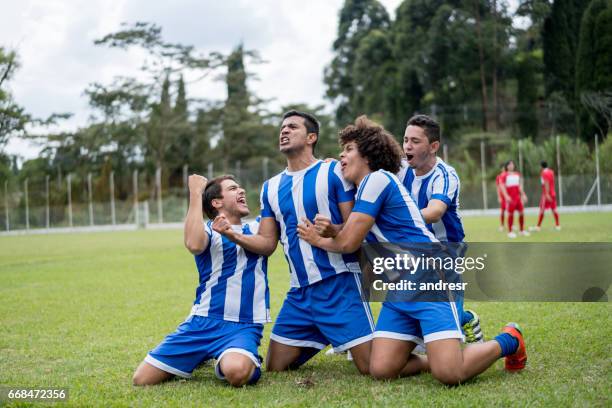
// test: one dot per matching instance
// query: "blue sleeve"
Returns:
(372, 195)
(266, 209)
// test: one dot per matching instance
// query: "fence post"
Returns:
(445, 152)
(47, 213)
(160, 215)
(559, 177)
(186, 187)
(6, 207)
(483, 171)
(90, 199)
(69, 192)
(265, 168)
(597, 169)
(135, 190)
(520, 154)
(27, 204)
(210, 171)
(112, 197)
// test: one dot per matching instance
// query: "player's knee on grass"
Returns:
(146, 374)
(237, 369)
(361, 357)
(382, 371)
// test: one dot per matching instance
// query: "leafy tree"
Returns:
(357, 19)
(594, 69)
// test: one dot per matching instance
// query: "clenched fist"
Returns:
(197, 184)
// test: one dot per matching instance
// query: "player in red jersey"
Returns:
(512, 190)
(549, 198)
(500, 198)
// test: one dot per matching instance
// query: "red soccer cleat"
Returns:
(518, 360)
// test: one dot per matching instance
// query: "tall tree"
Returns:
(357, 19)
(560, 44)
(594, 69)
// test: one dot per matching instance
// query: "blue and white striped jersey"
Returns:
(290, 196)
(397, 218)
(233, 281)
(441, 183)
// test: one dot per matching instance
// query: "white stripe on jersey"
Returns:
(234, 285)
(297, 192)
(217, 264)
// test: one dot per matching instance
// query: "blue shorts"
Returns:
(199, 339)
(329, 311)
(419, 322)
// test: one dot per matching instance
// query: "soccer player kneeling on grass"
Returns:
(232, 300)
(385, 212)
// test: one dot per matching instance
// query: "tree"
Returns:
(593, 67)
(527, 93)
(357, 19)
(560, 44)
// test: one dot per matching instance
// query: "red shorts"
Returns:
(546, 204)
(515, 204)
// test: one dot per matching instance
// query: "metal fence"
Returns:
(104, 198)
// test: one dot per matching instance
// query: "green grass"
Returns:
(82, 310)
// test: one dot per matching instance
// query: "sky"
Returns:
(54, 41)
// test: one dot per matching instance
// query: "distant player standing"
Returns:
(501, 199)
(232, 299)
(512, 190)
(549, 198)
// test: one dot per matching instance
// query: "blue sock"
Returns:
(467, 316)
(508, 344)
(255, 377)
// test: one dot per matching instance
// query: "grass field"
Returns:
(82, 310)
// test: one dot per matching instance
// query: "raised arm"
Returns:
(196, 239)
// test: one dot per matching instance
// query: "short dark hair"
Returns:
(508, 163)
(212, 191)
(429, 126)
(310, 121)
(374, 143)
(543, 164)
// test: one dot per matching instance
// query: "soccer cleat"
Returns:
(472, 331)
(518, 360)
(535, 229)
(558, 228)
(525, 233)
(501, 228)
(512, 235)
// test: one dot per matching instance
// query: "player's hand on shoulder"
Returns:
(197, 183)
(324, 227)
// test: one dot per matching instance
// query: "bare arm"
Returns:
(348, 239)
(262, 243)
(502, 187)
(434, 211)
(196, 239)
(324, 226)
(523, 195)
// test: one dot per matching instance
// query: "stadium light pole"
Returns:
(597, 169)
(483, 171)
(69, 192)
(112, 197)
(559, 177)
(90, 199)
(27, 204)
(6, 207)
(47, 215)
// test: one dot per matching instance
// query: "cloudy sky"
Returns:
(54, 40)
